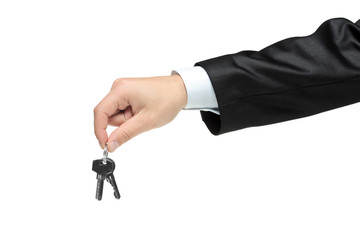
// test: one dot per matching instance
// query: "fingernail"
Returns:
(113, 146)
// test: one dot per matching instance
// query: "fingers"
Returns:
(120, 117)
(100, 124)
(126, 131)
(103, 111)
(138, 105)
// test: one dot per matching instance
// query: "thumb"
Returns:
(126, 131)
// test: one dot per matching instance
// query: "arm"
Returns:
(293, 78)
(290, 79)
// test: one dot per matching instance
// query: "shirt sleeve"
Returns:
(200, 92)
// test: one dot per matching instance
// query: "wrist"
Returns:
(180, 89)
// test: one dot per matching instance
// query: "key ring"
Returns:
(105, 154)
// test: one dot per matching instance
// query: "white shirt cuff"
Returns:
(200, 92)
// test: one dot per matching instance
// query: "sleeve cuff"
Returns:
(200, 92)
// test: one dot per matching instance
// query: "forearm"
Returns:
(293, 78)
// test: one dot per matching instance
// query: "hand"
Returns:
(137, 105)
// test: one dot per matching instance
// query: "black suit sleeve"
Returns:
(293, 78)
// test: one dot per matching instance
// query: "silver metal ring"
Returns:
(105, 154)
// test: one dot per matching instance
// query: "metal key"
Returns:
(111, 179)
(103, 170)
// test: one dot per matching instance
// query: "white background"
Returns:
(294, 180)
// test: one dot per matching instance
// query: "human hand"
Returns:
(137, 105)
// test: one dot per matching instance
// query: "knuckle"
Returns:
(96, 109)
(119, 83)
(116, 81)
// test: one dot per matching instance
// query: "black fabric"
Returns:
(290, 79)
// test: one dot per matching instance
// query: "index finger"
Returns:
(105, 109)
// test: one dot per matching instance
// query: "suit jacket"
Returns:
(290, 79)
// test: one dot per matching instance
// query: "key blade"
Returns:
(111, 179)
(99, 189)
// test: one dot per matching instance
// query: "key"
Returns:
(102, 170)
(111, 179)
